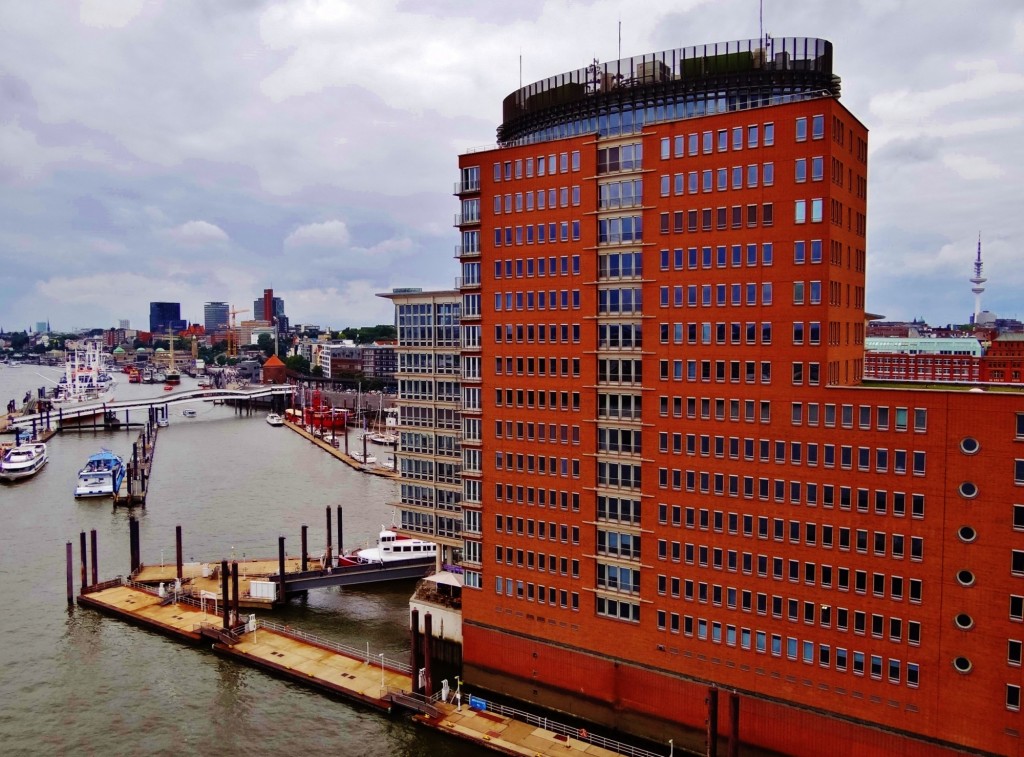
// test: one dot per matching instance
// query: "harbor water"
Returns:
(76, 682)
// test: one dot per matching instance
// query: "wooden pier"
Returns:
(356, 675)
(135, 485)
(339, 454)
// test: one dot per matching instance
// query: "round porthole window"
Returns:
(969, 445)
(965, 578)
(967, 534)
(962, 664)
(968, 490)
(964, 622)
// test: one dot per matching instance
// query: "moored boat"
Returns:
(189, 412)
(23, 461)
(395, 548)
(84, 380)
(101, 476)
(274, 419)
(365, 459)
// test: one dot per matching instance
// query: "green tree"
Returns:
(266, 343)
(297, 363)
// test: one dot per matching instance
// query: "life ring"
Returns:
(583, 733)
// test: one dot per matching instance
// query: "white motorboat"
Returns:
(365, 459)
(23, 461)
(189, 412)
(101, 476)
(395, 548)
(274, 419)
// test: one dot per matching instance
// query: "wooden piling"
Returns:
(177, 551)
(282, 596)
(85, 566)
(712, 722)
(341, 543)
(305, 550)
(234, 589)
(428, 635)
(95, 558)
(225, 603)
(417, 651)
(734, 725)
(70, 574)
(329, 535)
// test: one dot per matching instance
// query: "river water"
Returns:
(73, 681)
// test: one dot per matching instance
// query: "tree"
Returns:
(266, 343)
(297, 363)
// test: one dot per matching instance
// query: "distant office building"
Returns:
(164, 316)
(216, 316)
(124, 323)
(380, 361)
(268, 307)
(42, 327)
(339, 360)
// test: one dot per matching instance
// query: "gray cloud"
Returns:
(204, 151)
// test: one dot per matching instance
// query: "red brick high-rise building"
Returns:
(679, 496)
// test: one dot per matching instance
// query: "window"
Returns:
(801, 129)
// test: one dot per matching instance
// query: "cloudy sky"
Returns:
(190, 151)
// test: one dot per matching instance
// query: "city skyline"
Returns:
(248, 169)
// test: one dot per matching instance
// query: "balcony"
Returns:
(467, 251)
(466, 187)
(465, 219)
(463, 282)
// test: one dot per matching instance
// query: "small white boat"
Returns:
(386, 438)
(366, 459)
(23, 461)
(188, 412)
(274, 419)
(162, 422)
(101, 476)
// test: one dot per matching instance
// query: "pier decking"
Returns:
(366, 678)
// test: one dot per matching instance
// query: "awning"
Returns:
(444, 578)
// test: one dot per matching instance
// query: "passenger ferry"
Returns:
(101, 476)
(394, 548)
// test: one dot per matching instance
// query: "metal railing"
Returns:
(580, 734)
(348, 651)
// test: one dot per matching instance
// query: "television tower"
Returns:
(978, 280)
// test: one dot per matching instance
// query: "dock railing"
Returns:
(349, 651)
(580, 734)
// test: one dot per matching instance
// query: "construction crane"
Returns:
(233, 334)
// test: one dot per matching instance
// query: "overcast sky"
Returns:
(193, 151)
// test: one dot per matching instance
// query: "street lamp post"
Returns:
(382, 673)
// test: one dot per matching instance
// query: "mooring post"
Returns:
(234, 589)
(305, 550)
(428, 631)
(95, 558)
(225, 599)
(734, 725)
(133, 543)
(282, 597)
(177, 551)
(85, 567)
(417, 651)
(69, 556)
(341, 543)
(712, 734)
(329, 529)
